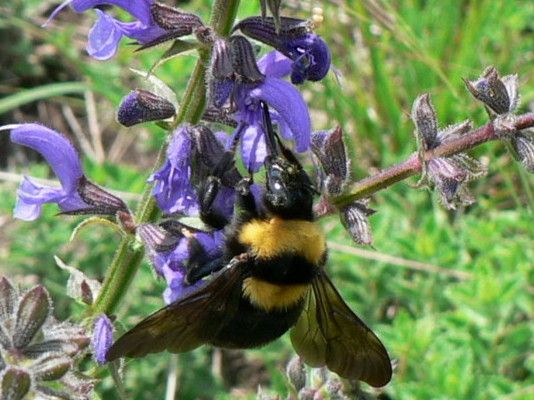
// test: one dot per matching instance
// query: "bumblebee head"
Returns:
(288, 189)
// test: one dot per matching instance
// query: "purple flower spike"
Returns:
(102, 338)
(64, 160)
(107, 32)
(174, 191)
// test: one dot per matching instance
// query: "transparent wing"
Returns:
(329, 333)
(187, 323)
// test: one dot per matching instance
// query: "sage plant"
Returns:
(230, 87)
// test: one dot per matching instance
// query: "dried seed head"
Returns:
(334, 172)
(355, 219)
(523, 149)
(426, 123)
(499, 95)
(296, 373)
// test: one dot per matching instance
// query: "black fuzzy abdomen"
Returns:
(253, 327)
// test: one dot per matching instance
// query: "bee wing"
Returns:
(188, 322)
(329, 333)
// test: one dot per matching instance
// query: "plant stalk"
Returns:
(128, 257)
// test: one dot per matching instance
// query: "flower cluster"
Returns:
(38, 353)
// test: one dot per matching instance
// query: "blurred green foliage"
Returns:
(455, 307)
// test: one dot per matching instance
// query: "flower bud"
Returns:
(102, 338)
(424, 117)
(7, 299)
(143, 106)
(50, 368)
(33, 310)
(157, 239)
(15, 384)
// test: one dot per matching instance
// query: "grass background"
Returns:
(450, 293)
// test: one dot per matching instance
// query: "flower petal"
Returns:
(253, 147)
(290, 105)
(275, 65)
(32, 195)
(55, 148)
(104, 37)
(174, 191)
(140, 9)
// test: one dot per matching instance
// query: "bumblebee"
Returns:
(271, 279)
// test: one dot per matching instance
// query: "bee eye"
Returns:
(277, 185)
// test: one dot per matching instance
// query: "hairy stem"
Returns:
(128, 256)
(413, 164)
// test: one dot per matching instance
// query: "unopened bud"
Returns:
(15, 384)
(7, 299)
(34, 309)
(50, 368)
(143, 106)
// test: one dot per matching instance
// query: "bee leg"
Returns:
(245, 201)
(209, 190)
(199, 264)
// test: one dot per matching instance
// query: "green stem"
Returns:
(128, 256)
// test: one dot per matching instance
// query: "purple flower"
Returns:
(295, 39)
(290, 113)
(77, 195)
(170, 252)
(64, 160)
(174, 191)
(107, 31)
(102, 338)
(173, 267)
(236, 79)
